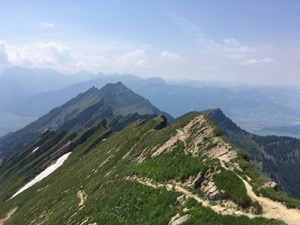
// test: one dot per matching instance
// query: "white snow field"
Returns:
(44, 174)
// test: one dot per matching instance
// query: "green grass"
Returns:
(100, 173)
(233, 187)
(257, 181)
(125, 202)
(174, 165)
(248, 169)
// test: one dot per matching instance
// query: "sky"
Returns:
(250, 41)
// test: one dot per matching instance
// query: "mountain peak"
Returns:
(218, 116)
(116, 85)
(115, 103)
(114, 88)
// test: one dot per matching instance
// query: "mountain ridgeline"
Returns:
(114, 103)
(126, 162)
(276, 157)
(147, 173)
(262, 110)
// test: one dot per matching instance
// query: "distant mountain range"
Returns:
(17, 84)
(115, 103)
(256, 109)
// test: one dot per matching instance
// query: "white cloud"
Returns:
(46, 25)
(57, 53)
(3, 54)
(93, 63)
(64, 59)
(170, 56)
(186, 25)
(238, 52)
(216, 58)
(133, 58)
(41, 55)
(230, 48)
(209, 44)
(231, 42)
(250, 62)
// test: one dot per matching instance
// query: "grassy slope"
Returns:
(111, 199)
(276, 157)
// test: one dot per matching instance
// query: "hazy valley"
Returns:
(258, 109)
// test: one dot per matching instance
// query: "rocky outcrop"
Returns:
(204, 181)
(210, 189)
(177, 219)
(271, 185)
(163, 123)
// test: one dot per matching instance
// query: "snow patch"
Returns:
(34, 150)
(44, 174)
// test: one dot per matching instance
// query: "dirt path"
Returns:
(271, 209)
(8, 215)
(176, 187)
(275, 210)
(217, 208)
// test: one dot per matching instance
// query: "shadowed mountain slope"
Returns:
(115, 103)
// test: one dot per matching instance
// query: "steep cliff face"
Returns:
(150, 173)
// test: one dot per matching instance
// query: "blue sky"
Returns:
(255, 41)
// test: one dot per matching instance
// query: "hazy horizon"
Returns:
(255, 42)
(86, 75)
